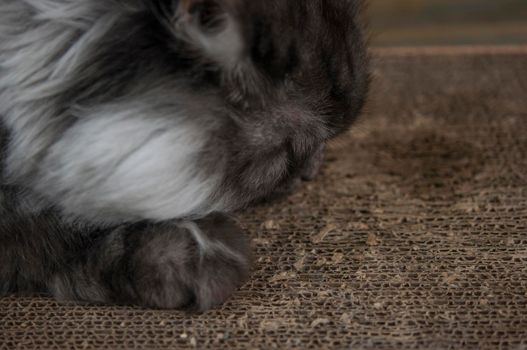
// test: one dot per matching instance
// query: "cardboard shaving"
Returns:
(270, 225)
(337, 258)
(319, 321)
(345, 318)
(323, 233)
(372, 240)
(282, 276)
(299, 265)
(270, 325)
(193, 342)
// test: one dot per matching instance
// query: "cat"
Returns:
(132, 129)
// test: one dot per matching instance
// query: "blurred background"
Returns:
(448, 22)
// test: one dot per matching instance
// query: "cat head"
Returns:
(308, 55)
(291, 75)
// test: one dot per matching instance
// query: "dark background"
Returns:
(447, 22)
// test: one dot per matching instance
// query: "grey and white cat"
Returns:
(129, 126)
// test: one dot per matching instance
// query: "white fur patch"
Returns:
(208, 246)
(121, 164)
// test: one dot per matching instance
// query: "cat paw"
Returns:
(196, 265)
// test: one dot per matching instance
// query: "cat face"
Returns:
(292, 75)
(306, 59)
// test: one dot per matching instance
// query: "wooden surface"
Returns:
(447, 22)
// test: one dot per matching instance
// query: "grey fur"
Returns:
(126, 124)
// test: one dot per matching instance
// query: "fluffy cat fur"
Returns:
(129, 125)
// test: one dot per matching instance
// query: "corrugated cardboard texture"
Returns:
(414, 237)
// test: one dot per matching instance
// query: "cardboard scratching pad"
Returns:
(414, 236)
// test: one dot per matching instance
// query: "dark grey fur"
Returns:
(128, 124)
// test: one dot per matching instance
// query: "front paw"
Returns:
(192, 264)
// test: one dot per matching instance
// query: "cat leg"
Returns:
(165, 265)
(312, 166)
(33, 243)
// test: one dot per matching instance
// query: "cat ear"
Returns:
(210, 27)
